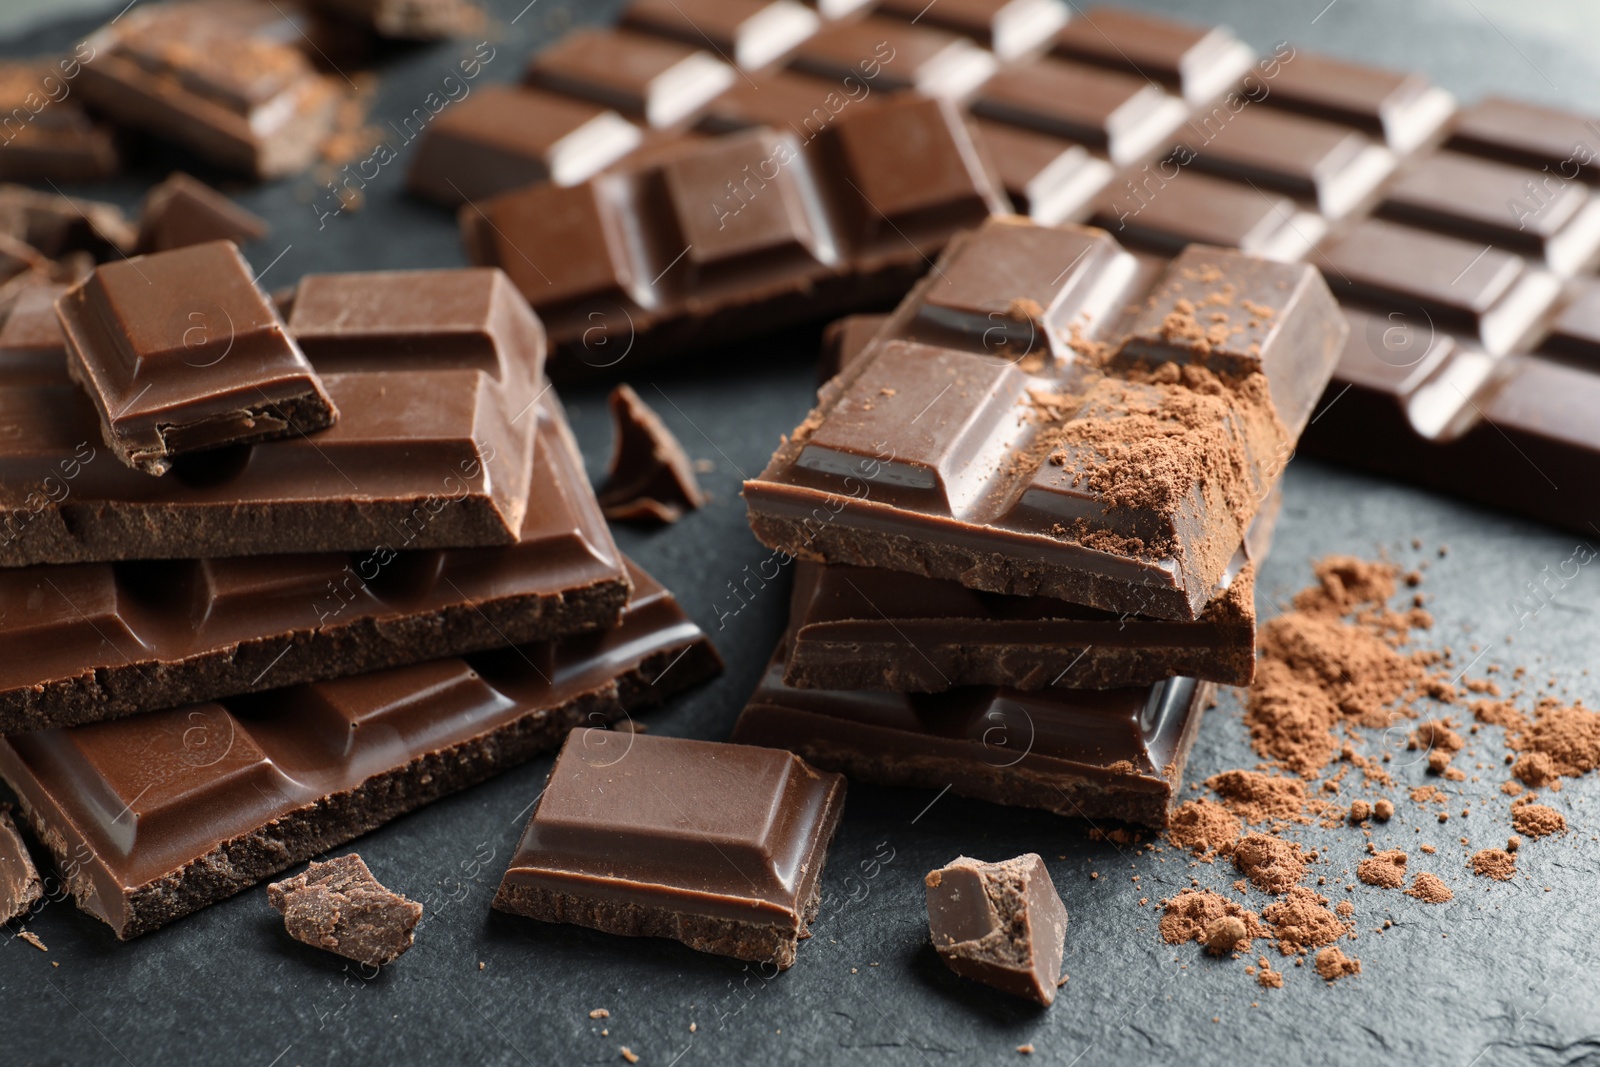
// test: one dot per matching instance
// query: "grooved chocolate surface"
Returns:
(99, 640)
(180, 353)
(155, 816)
(720, 846)
(434, 374)
(978, 438)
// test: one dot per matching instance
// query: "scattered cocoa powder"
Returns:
(1227, 934)
(1302, 920)
(1190, 914)
(1257, 797)
(1204, 827)
(1386, 870)
(1360, 811)
(1537, 820)
(1384, 810)
(1272, 864)
(1534, 769)
(1333, 964)
(1494, 863)
(1430, 889)
(1568, 736)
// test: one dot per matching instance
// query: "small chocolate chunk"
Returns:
(19, 880)
(184, 211)
(1001, 924)
(651, 477)
(339, 906)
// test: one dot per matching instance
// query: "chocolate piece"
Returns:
(651, 477)
(788, 100)
(896, 55)
(183, 211)
(1123, 115)
(338, 906)
(1484, 200)
(1199, 62)
(842, 341)
(433, 372)
(1008, 28)
(1165, 215)
(1401, 109)
(224, 78)
(1048, 179)
(718, 846)
(974, 444)
(94, 641)
(1091, 753)
(180, 352)
(32, 350)
(20, 887)
(155, 816)
(662, 82)
(57, 225)
(751, 33)
(408, 20)
(810, 228)
(1543, 138)
(506, 136)
(45, 135)
(1002, 924)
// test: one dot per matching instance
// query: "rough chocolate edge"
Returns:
(28, 889)
(755, 942)
(242, 862)
(363, 644)
(305, 412)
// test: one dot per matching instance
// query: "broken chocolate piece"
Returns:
(340, 907)
(46, 135)
(57, 225)
(184, 211)
(651, 477)
(408, 20)
(718, 846)
(1002, 924)
(20, 887)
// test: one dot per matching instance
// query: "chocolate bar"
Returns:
(155, 816)
(1002, 924)
(503, 137)
(896, 55)
(225, 79)
(45, 134)
(94, 641)
(20, 887)
(1013, 430)
(718, 846)
(808, 229)
(1198, 62)
(433, 373)
(1090, 753)
(752, 33)
(183, 211)
(180, 352)
(661, 82)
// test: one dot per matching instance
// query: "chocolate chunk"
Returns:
(57, 225)
(1002, 924)
(20, 887)
(184, 211)
(651, 477)
(408, 20)
(718, 846)
(338, 906)
(1199, 62)
(660, 82)
(48, 137)
(180, 352)
(154, 816)
(225, 79)
(93, 641)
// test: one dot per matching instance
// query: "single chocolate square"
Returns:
(1002, 924)
(718, 846)
(181, 352)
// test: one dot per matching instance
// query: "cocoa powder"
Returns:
(1386, 870)
(1537, 820)
(1204, 827)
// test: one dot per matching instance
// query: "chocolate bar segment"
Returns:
(1047, 179)
(1123, 115)
(896, 55)
(718, 846)
(1542, 138)
(982, 441)
(1165, 212)
(1198, 62)
(184, 211)
(664, 83)
(751, 33)
(434, 373)
(155, 816)
(505, 136)
(45, 134)
(224, 78)
(1010, 29)
(98, 640)
(1401, 109)
(180, 352)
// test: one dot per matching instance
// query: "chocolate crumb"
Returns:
(628, 1054)
(599, 1013)
(1494, 863)
(33, 939)
(1333, 964)
(1430, 889)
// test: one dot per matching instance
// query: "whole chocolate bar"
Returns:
(155, 816)
(722, 237)
(94, 641)
(180, 352)
(1015, 429)
(718, 846)
(434, 373)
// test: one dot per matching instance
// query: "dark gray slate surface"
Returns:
(1504, 974)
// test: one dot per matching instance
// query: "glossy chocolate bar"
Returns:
(93, 641)
(1092, 753)
(180, 352)
(155, 816)
(1198, 62)
(1023, 424)
(434, 374)
(45, 134)
(718, 846)
(225, 79)
(896, 54)
(723, 237)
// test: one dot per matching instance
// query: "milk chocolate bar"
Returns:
(718, 846)
(45, 134)
(180, 352)
(93, 641)
(662, 252)
(155, 816)
(225, 79)
(434, 374)
(1037, 419)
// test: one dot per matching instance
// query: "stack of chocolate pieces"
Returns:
(266, 584)
(1026, 515)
